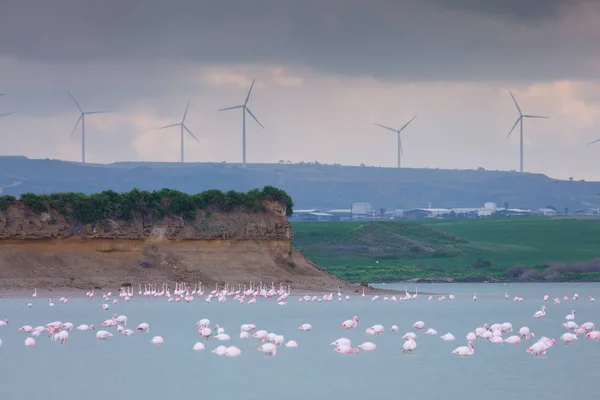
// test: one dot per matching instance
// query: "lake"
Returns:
(132, 367)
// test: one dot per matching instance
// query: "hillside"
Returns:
(311, 186)
(107, 239)
(519, 248)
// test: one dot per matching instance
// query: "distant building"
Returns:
(424, 213)
(514, 212)
(549, 212)
(588, 211)
(361, 208)
(311, 215)
(340, 214)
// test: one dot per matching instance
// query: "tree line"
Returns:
(159, 203)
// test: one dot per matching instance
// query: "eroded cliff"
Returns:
(42, 244)
(18, 221)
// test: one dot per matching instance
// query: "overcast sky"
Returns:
(325, 71)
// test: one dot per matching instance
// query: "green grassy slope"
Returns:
(462, 249)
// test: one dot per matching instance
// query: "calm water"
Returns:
(135, 368)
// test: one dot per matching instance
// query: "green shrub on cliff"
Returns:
(4, 200)
(155, 204)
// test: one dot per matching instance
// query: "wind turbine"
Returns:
(82, 120)
(245, 109)
(183, 127)
(398, 131)
(520, 119)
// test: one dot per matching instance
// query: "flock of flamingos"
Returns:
(269, 342)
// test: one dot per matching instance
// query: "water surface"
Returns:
(135, 368)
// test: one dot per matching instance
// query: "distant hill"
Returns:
(310, 185)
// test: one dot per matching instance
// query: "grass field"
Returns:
(459, 249)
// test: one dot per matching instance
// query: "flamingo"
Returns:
(367, 346)
(346, 350)
(350, 323)
(409, 346)
(305, 327)
(539, 314)
(463, 351)
(269, 349)
(570, 317)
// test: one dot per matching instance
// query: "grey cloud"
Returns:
(409, 39)
(528, 10)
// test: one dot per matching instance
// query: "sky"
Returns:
(325, 72)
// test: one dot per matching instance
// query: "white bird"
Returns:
(367, 346)
(539, 314)
(157, 340)
(305, 327)
(570, 317)
(103, 335)
(233, 351)
(409, 346)
(199, 347)
(269, 349)
(464, 350)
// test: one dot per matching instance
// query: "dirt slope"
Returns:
(80, 264)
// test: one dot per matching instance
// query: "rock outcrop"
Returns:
(49, 249)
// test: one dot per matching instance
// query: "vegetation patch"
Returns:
(4, 202)
(110, 204)
(525, 248)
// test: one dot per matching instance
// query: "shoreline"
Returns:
(80, 293)
(478, 283)
(477, 280)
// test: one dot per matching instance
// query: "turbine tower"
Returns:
(82, 120)
(183, 127)
(398, 131)
(520, 120)
(245, 109)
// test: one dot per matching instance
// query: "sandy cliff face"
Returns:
(19, 222)
(51, 251)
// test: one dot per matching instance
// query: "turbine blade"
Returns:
(76, 124)
(6, 114)
(595, 141)
(514, 126)
(96, 112)
(185, 113)
(249, 91)
(405, 125)
(170, 126)
(2, 94)
(387, 127)
(230, 108)
(190, 132)
(250, 112)
(76, 103)
(516, 104)
(533, 116)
